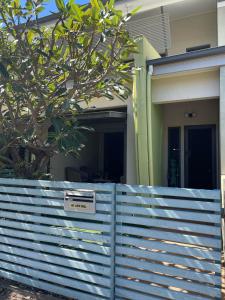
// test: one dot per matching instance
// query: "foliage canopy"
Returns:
(48, 73)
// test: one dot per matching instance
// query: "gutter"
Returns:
(186, 56)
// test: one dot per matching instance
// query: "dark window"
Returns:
(174, 157)
(197, 48)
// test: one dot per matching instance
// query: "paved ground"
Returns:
(10, 290)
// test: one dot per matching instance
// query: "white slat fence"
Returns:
(142, 242)
(168, 243)
(42, 245)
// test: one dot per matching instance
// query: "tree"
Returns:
(48, 72)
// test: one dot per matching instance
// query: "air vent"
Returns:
(197, 48)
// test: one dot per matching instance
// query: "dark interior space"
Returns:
(200, 154)
(114, 156)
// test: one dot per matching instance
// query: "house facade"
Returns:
(171, 132)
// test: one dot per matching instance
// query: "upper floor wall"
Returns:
(172, 26)
(193, 31)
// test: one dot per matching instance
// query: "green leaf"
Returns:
(30, 36)
(16, 3)
(60, 5)
(29, 5)
(111, 4)
(39, 9)
(134, 11)
(76, 10)
(95, 3)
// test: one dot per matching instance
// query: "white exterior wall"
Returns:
(193, 31)
(184, 87)
(207, 113)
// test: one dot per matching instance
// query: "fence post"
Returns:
(113, 241)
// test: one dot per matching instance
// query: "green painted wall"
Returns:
(147, 120)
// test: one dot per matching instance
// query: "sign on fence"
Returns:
(80, 201)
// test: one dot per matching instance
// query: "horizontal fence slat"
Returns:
(91, 267)
(167, 270)
(106, 187)
(170, 258)
(56, 289)
(47, 202)
(56, 221)
(31, 200)
(31, 192)
(170, 236)
(50, 263)
(80, 265)
(170, 214)
(168, 224)
(173, 192)
(158, 291)
(55, 212)
(94, 237)
(165, 202)
(57, 279)
(56, 240)
(63, 252)
(169, 247)
(169, 281)
(132, 295)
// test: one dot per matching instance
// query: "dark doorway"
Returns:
(114, 156)
(200, 157)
